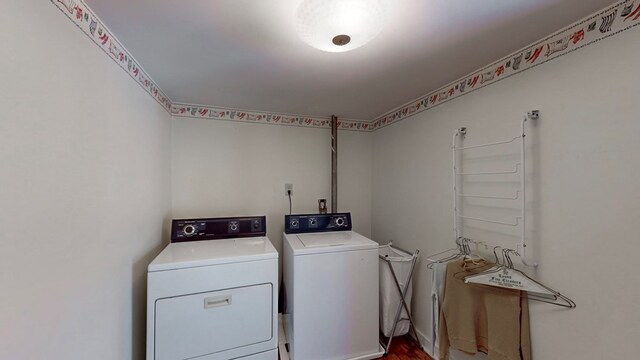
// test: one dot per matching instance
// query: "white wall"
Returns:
(84, 191)
(229, 168)
(583, 200)
(88, 162)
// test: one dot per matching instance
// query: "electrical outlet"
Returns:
(288, 189)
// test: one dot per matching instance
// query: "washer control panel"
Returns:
(217, 228)
(307, 223)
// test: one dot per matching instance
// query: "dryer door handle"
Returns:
(217, 301)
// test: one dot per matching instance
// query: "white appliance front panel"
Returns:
(267, 355)
(187, 281)
(195, 325)
(334, 305)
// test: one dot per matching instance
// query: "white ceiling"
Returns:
(245, 54)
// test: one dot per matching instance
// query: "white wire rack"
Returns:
(519, 194)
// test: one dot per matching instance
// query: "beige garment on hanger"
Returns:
(476, 318)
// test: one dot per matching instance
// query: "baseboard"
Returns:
(426, 344)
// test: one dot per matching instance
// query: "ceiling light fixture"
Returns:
(340, 25)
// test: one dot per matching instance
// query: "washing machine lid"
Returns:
(213, 252)
(314, 243)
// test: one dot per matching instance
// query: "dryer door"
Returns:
(201, 324)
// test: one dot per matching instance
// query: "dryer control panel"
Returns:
(217, 228)
(310, 223)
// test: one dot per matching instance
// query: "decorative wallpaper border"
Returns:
(218, 113)
(85, 19)
(611, 21)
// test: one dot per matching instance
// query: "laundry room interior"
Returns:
(500, 135)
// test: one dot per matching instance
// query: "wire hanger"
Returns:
(467, 248)
(463, 248)
(460, 252)
(507, 277)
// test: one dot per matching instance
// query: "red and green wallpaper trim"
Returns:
(608, 22)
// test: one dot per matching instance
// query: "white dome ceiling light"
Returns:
(340, 25)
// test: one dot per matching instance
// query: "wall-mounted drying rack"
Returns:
(514, 169)
(502, 274)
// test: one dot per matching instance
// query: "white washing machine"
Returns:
(212, 294)
(331, 286)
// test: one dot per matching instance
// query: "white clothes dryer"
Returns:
(212, 294)
(331, 286)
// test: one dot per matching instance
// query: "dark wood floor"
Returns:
(403, 348)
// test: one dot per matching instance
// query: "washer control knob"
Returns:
(340, 221)
(234, 227)
(189, 230)
(294, 223)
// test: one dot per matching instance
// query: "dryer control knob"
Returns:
(189, 230)
(340, 221)
(256, 224)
